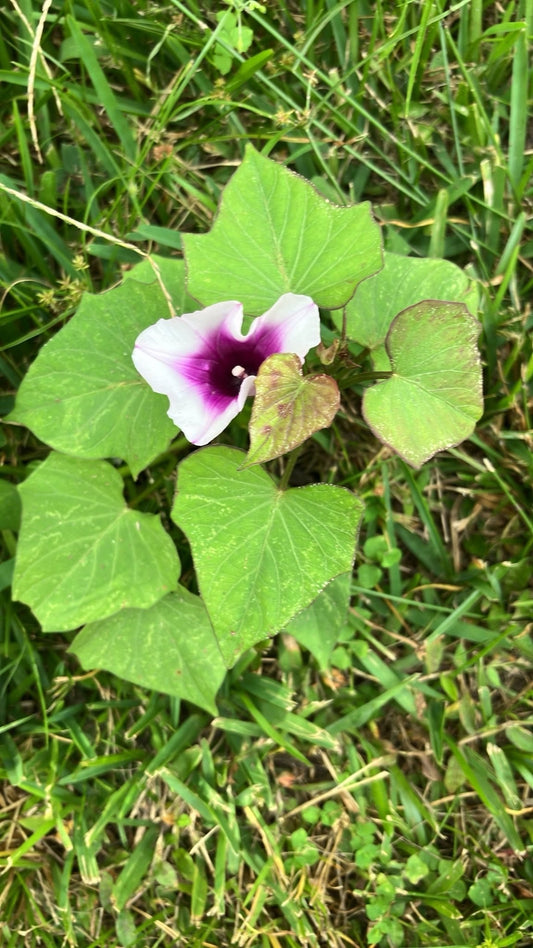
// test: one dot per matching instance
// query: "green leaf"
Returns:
(261, 554)
(288, 407)
(164, 236)
(242, 38)
(305, 853)
(481, 894)
(246, 70)
(275, 234)
(402, 282)
(9, 506)
(105, 90)
(317, 628)
(233, 32)
(83, 395)
(169, 273)
(125, 928)
(170, 647)
(415, 869)
(82, 553)
(369, 575)
(504, 775)
(434, 397)
(479, 775)
(136, 868)
(222, 59)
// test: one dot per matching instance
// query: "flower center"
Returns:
(239, 372)
(235, 360)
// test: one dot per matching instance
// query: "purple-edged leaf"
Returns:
(170, 647)
(82, 553)
(261, 554)
(275, 234)
(434, 397)
(288, 407)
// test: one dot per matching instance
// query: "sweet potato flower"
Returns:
(207, 368)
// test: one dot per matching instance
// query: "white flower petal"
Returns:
(214, 423)
(199, 418)
(207, 323)
(294, 321)
(168, 339)
(178, 357)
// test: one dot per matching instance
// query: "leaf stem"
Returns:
(372, 376)
(291, 461)
(344, 327)
(356, 378)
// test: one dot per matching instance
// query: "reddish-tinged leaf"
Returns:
(288, 408)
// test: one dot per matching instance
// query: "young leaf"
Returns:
(261, 554)
(82, 553)
(402, 282)
(170, 647)
(84, 396)
(288, 407)
(434, 397)
(275, 234)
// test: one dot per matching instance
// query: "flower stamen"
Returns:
(239, 372)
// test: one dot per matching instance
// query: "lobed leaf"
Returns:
(275, 234)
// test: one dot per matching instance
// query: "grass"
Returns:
(386, 799)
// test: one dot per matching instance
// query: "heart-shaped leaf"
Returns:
(170, 647)
(82, 553)
(275, 234)
(261, 554)
(434, 397)
(402, 282)
(288, 407)
(83, 395)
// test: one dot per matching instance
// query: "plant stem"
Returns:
(291, 461)
(356, 378)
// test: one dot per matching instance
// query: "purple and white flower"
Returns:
(207, 368)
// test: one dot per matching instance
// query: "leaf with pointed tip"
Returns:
(288, 407)
(82, 553)
(170, 647)
(402, 282)
(261, 554)
(434, 397)
(83, 395)
(275, 234)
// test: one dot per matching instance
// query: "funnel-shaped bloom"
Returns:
(207, 368)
